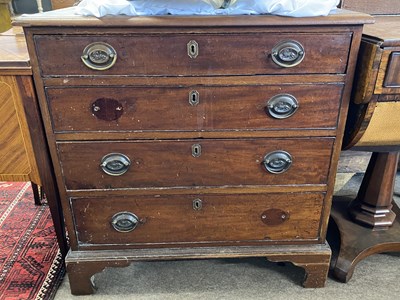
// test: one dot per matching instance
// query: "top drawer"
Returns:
(193, 54)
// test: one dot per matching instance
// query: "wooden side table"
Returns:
(370, 223)
(23, 153)
(17, 159)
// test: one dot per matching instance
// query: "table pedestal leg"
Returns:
(368, 224)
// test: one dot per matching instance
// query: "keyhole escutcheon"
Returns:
(192, 49)
(196, 150)
(197, 204)
(194, 98)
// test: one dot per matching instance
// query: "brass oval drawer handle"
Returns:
(124, 221)
(99, 56)
(115, 164)
(282, 106)
(277, 162)
(288, 54)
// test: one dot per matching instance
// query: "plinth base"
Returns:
(82, 265)
(357, 241)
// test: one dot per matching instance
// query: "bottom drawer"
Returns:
(180, 219)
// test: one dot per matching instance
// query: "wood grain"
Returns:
(82, 265)
(70, 19)
(14, 58)
(380, 87)
(367, 69)
(219, 108)
(392, 78)
(233, 63)
(17, 160)
(171, 219)
(164, 163)
(14, 158)
(353, 249)
(368, 224)
(214, 134)
(219, 54)
(377, 78)
(214, 81)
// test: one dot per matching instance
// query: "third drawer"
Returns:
(198, 162)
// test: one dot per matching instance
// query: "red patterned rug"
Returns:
(30, 262)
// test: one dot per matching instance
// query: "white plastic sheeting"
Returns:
(290, 8)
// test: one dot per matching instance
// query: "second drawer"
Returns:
(166, 163)
(194, 108)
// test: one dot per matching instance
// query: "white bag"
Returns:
(292, 8)
(288, 8)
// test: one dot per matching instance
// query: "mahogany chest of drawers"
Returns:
(194, 137)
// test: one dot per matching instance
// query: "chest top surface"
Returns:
(67, 17)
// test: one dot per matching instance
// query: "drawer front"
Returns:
(194, 108)
(164, 163)
(392, 76)
(193, 54)
(177, 219)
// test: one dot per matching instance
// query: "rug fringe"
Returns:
(56, 270)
